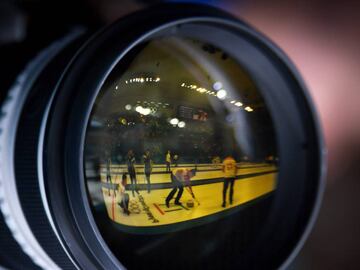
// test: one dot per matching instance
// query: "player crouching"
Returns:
(124, 197)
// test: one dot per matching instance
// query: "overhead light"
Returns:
(128, 107)
(248, 109)
(181, 124)
(217, 86)
(221, 94)
(142, 80)
(146, 111)
(143, 111)
(139, 109)
(174, 121)
(239, 104)
(201, 90)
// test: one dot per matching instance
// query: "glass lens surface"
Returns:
(179, 138)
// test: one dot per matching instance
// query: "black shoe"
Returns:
(224, 204)
(178, 203)
(167, 204)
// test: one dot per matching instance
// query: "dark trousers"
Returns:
(108, 179)
(172, 193)
(167, 166)
(133, 182)
(176, 186)
(147, 176)
(125, 203)
(227, 182)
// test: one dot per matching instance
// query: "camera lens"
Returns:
(178, 137)
(182, 138)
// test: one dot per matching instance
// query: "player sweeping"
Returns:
(130, 162)
(230, 170)
(179, 178)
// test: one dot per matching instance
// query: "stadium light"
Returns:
(174, 121)
(143, 111)
(181, 124)
(217, 86)
(221, 94)
(146, 111)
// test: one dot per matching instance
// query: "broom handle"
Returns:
(192, 194)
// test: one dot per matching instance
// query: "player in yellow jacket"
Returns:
(230, 170)
(168, 160)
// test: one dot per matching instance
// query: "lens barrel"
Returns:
(46, 136)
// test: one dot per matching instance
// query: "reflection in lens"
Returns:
(179, 137)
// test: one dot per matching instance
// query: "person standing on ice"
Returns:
(147, 168)
(230, 171)
(168, 161)
(130, 162)
(108, 173)
(175, 160)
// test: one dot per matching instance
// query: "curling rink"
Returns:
(254, 180)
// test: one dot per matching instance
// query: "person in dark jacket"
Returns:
(108, 173)
(147, 168)
(130, 162)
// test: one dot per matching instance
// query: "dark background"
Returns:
(322, 39)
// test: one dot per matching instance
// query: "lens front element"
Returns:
(179, 137)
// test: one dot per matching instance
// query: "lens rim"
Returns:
(78, 89)
(21, 200)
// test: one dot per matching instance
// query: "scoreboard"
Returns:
(192, 113)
